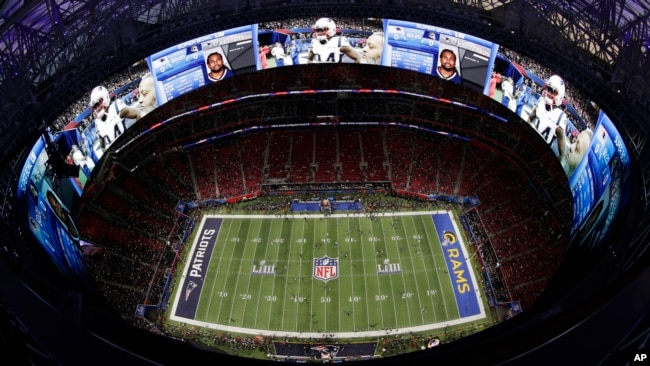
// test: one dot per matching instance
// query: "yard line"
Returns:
(285, 269)
(215, 283)
(415, 276)
(434, 238)
(287, 299)
(390, 277)
(272, 301)
(311, 303)
(232, 301)
(265, 244)
(338, 258)
(381, 308)
(250, 277)
(348, 244)
(241, 272)
(302, 246)
(403, 274)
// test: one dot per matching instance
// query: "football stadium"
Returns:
(262, 182)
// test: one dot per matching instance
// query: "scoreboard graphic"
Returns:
(182, 68)
(416, 47)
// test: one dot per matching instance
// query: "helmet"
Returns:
(99, 97)
(326, 25)
(554, 90)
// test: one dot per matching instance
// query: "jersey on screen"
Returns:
(330, 51)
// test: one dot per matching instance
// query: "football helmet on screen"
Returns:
(100, 100)
(554, 90)
(324, 29)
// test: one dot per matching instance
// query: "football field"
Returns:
(345, 275)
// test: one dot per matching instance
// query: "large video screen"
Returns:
(195, 63)
(597, 183)
(436, 51)
(445, 53)
(582, 137)
(45, 196)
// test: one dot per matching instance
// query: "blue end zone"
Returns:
(459, 273)
(198, 265)
(314, 206)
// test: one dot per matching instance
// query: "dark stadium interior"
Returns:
(587, 301)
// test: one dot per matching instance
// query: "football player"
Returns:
(326, 46)
(281, 58)
(549, 114)
(108, 123)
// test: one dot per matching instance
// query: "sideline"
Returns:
(343, 335)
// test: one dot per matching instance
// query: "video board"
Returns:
(582, 137)
(423, 48)
(188, 66)
(598, 183)
(596, 175)
(419, 47)
(41, 193)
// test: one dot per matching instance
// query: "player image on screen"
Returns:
(572, 149)
(447, 66)
(508, 97)
(217, 69)
(81, 159)
(106, 115)
(326, 46)
(193, 64)
(62, 214)
(549, 114)
(280, 55)
(444, 53)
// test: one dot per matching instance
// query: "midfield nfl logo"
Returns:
(326, 268)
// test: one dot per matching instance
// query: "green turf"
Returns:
(359, 301)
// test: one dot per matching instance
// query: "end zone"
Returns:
(187, 299)
(457, 260)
